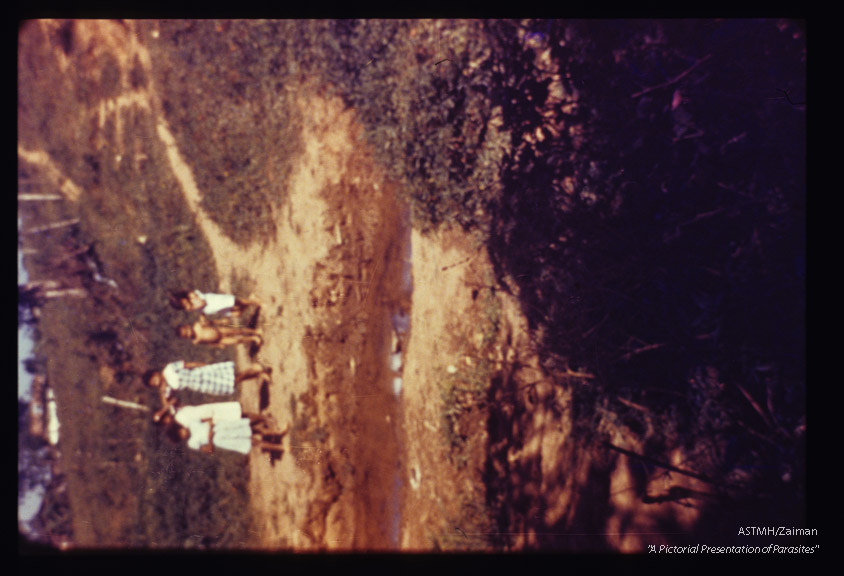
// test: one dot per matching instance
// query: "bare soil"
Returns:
(365, 469)
(332, 281)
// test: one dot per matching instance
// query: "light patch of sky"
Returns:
(25, 342)
(29, 503)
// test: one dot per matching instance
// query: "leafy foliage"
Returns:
(653, 223)
(640, 186)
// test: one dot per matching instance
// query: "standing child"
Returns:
(210, 303)
(220, 425)
(204, 332)
(218, 378)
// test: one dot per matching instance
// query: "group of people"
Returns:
(218, 332)
(222, 425)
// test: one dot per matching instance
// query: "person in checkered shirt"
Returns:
(218, 378)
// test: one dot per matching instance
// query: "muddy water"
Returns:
(399, 314)
(379, 446)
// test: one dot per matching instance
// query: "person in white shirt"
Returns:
(210, 303)
(221, 425)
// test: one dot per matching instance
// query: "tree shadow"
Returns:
(658, 237)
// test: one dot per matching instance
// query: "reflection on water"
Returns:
(399, 326)
(400, 316)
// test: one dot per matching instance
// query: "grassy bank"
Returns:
(136, 234)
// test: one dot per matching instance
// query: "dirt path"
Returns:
(332, 280)
(329, 280)
(326, 281)
(329, 274)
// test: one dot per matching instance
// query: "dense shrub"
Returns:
(661, 232)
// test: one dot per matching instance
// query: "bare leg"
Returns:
(225, 341)
(231, 331)
(254, 370)
(258, 422)
(281, 432)
(222, 322)
(250, 336)
(235, 340)
(271, 447)
(244, 302)
(250, 332)
(270, 436)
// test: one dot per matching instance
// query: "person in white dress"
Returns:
(221, 425)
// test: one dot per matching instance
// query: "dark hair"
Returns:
(172, 430)
(31, 365)
(148, 375)
(176, 297)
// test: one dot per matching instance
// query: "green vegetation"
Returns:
(467, 387)
(129, 473)
(227, 96)
(431, 124)
(136, 231)
(640, 182)
(472, 531)
(420, 89)
(465, 394)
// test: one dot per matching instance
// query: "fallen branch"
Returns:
(573, 374)
(633, 405)
(596, 326)
(53, 226)
(676, 493)
(125, 404)
(71, 292)
(642, 349)
(39, 197)
(788, 97)
(656, 462)
(674, 80)
(757, 434)
(755, 406)
(444, 268)
(697, 134)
